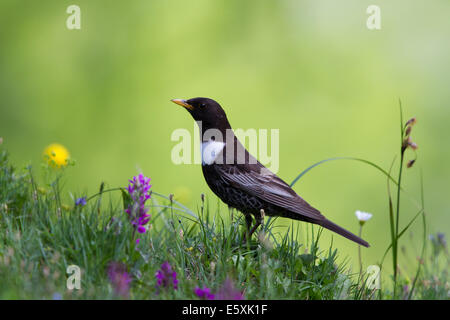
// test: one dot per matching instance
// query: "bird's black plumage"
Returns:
(241, 181)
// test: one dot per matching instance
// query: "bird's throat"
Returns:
(210, 151)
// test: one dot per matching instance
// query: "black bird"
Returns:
(240, 181)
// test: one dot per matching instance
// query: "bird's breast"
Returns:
(210, 151)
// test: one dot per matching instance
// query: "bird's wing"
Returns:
(259, 181)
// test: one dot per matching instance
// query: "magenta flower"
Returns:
(204, 293)
(166, 277)
(139, 191)
(119, 278)
(229, 292)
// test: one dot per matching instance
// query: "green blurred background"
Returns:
(309, 68)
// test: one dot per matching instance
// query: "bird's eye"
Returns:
(202, 106)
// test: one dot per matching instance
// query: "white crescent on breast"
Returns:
(210, 150)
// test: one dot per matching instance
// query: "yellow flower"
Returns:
(66, 207)
(182, 194)
(42, 191)
(56, 155)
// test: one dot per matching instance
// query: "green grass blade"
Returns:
(342, 158)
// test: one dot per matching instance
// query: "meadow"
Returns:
(100, 96)
(149, 246)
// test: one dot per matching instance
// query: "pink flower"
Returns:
(119, 278)
(229, 292)
(204, 293)
(166, 277)
(139, 191)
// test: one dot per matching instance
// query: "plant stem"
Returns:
(424, 223)
(359, 253)
(397, 217)
(104, 191)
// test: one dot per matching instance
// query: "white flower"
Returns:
(362, 216)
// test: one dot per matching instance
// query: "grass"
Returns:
(40, 236)
(43, 234)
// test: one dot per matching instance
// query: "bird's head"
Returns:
(208, 111)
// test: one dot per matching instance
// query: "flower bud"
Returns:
(413, 145)
(411, 122)
(408, 131)
(410, 163)
(408, 143)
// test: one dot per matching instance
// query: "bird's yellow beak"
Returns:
(183, 103)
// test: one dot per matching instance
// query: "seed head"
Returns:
(411, 122)
(410, 163)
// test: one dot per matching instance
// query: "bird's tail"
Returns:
(335, 228)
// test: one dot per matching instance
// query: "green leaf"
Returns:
(126, 199)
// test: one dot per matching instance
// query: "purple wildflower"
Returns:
(57, 296)
(441, 239)
(119, 278)
(166, 277)
(439, 242)
(229, 292)
(80, 201)
(139, 191)
(405, 291)
(204, 293)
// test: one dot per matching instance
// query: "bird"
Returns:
(241, 181)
